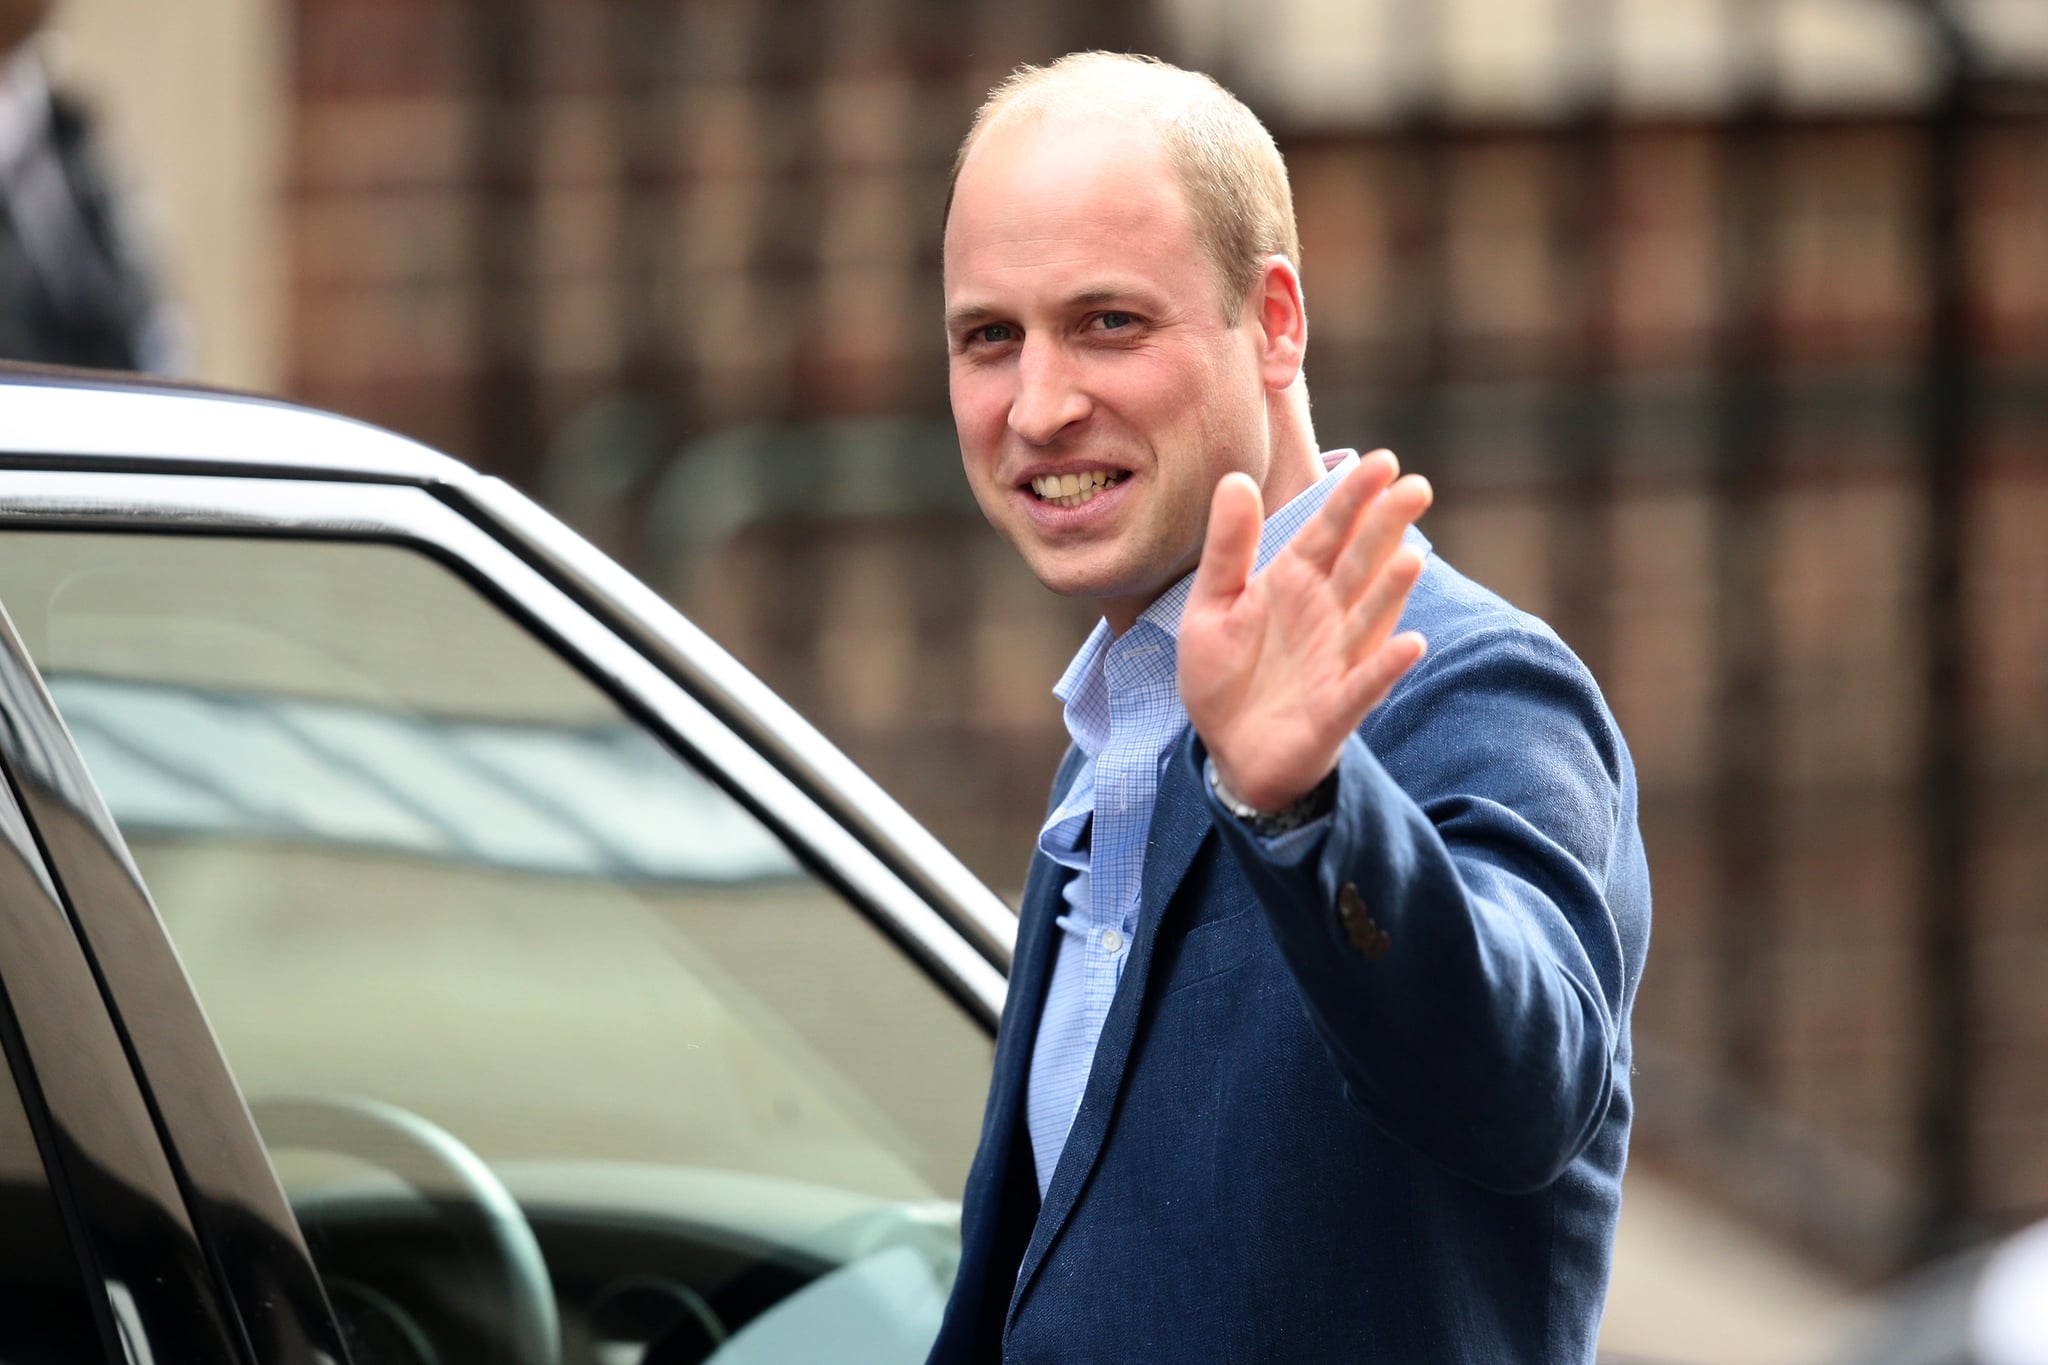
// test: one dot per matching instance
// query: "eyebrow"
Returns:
(969, 315)
(964, 317)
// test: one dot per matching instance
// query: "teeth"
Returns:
(1071, 490)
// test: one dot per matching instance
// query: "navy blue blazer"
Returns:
(1368, 1103)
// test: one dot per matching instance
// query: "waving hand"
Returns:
(1277, 670)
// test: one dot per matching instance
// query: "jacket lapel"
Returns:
(1030, 973)
(1180, 822)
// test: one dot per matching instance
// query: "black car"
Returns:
(421, 944)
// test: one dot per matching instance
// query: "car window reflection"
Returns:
(601, 800)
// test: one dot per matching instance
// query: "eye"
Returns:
(1114, 321)
(993, 334)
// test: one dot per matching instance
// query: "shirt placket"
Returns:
(1123, 805)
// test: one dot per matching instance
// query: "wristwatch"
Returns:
(1320, 800)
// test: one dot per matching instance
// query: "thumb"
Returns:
(1231, 546)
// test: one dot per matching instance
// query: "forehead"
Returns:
(1059, 197)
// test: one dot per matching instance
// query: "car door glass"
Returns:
(439, 895)
(44, 1312)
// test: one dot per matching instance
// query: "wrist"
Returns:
(1268, 822)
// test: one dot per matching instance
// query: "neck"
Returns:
(1297, 459)
(1123, 612)
(1297, 464)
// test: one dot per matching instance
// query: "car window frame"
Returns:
(81, 421)
(654, 627)
(414, 517)
(208, 1137)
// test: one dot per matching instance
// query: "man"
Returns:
(74, 289)
(1317, 1040)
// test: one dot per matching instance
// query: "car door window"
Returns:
(440, 895)
(44, 1312)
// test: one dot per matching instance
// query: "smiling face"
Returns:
(1099, 389)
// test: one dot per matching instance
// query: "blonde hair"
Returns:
(1232, 174)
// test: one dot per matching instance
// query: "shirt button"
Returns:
(1112, 941)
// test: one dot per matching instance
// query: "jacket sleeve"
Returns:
(1475, 997)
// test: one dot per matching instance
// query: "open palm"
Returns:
(1277, 670)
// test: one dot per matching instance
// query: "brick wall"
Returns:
(733, 207)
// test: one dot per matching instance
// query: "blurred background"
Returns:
(1721, 326)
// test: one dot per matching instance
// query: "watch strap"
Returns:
(1319, 801)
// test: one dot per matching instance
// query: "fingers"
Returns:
(1372, 618)
(1378, 534)
(1331, 529)
(1231, 546)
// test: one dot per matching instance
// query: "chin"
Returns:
(1067, 580)
(1093, 583)
(1103, 570)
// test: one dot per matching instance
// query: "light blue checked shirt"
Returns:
(1124, 712)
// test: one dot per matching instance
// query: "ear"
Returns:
(1276, 306)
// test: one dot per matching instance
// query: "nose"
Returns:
(1049, 397)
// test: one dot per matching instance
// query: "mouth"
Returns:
(1072, 490)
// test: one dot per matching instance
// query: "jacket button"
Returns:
(1367, 938)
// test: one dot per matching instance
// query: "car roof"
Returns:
(68, 418)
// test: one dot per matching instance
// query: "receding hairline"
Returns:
(1186, 115)
(1141, 90)
(1123, 86)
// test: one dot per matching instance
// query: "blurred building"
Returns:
(1722, 326)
